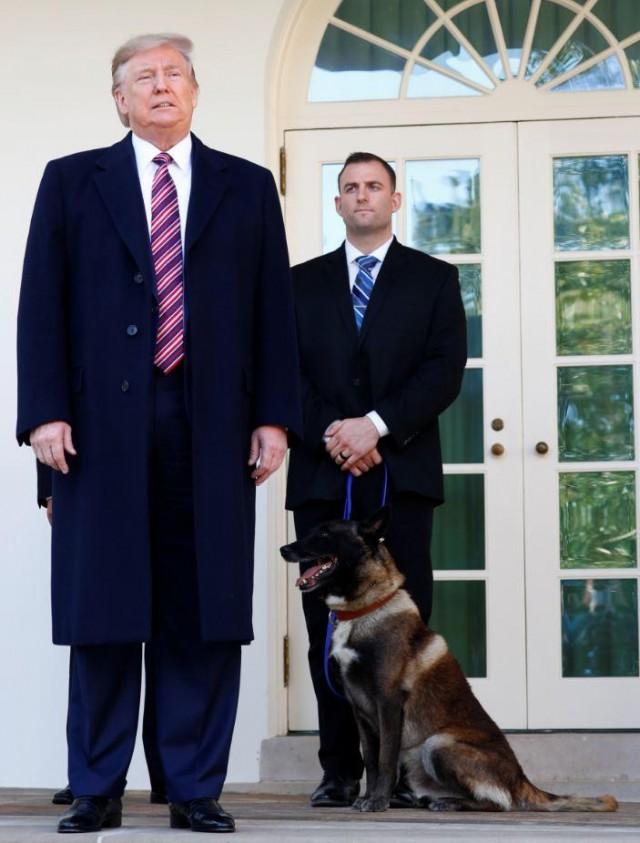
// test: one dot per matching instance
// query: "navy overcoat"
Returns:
(85, 348)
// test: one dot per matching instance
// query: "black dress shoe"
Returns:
(63, 797)
(91, 813)
(335, 792)
(158, 797)
(200, 815)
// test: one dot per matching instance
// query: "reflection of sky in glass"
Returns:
(605, 75)
(430, 83)
(446, 51)
(330, 86)
(332, 226)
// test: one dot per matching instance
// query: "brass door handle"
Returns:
(497, 449)
(542, 448)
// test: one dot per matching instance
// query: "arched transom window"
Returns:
(388, 49)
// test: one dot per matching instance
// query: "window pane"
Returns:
(552, 22)
(458, 525)
(459, 614)
(599, 627)
(607, 75)
(445, 50)
(598, 519)
(584, 43)
(475, 25)
(514, 16)
(621, 18)
(399, 21)
(349, 68)
(595, 413)
(444, 206)
(591, 199)
(429, 83)
(471, 288)
(593, 307)
(633, 56)
(461, 424)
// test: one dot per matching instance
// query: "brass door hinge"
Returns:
(283, 171)
(285, 660)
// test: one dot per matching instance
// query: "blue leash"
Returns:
(332, 621)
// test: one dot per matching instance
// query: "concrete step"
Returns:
(584, 762)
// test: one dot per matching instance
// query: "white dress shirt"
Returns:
(179, 169)
(352, 265)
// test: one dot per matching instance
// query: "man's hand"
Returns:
(348, 441)
(50, 442)
(366, 463)
(268, 447)
(50, 510)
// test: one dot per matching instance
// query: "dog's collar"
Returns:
(340, 615)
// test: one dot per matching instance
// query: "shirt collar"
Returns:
(380, 253)
(145, 152)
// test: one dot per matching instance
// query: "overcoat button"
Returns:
(137, 278)
(124, 386)
(132, 330)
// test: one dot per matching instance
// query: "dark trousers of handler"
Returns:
(409, 541)
(195, 685)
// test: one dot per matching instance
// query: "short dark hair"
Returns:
(363, 158)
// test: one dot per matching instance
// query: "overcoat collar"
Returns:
(337, 282)
(117, 181)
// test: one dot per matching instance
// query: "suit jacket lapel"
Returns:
(117, 182)
(388, 276)
(337, 287)
(209, 183)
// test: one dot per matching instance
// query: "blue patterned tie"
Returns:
(363, 285)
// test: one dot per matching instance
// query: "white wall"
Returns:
(55, 65)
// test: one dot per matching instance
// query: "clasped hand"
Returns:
(352, 444)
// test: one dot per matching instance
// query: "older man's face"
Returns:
(158, 95)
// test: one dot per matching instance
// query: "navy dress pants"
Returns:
(409, 541)
(194, 684)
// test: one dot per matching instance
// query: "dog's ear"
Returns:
(376, 526)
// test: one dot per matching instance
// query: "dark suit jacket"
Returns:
(407, 364)
(87, 279)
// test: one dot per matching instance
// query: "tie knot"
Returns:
(367, 262)
(162, 159)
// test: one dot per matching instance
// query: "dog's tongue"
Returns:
(310, 572)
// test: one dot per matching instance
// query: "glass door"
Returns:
(580, 250)
(459, 203)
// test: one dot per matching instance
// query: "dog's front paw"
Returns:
(444, 804)
(371, 803)
(357, 805)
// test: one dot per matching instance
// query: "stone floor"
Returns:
(29, 816)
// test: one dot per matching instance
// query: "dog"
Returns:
(413, 705)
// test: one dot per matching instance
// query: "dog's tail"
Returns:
(531, 798)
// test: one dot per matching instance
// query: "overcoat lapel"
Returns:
(209, 183)
(119, 186)
(390, 271)
(337, 289)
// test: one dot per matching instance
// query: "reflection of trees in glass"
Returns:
(458, 525)
(607, 75)
(459, 613)
(451, 226)
(593, 307)
(595, 413)
(471, 290)
(585, 43)
(599, 627)
(591, 202)
(461, 423)
(598, 519)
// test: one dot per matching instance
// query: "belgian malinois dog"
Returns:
(412, 703)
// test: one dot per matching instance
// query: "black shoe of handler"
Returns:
(63, 797)
(91, 813)
(335, 792)
(158, 797)
(200, 815)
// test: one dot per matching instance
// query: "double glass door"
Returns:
(534, 551)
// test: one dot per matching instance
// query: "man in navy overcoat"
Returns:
(158, 381)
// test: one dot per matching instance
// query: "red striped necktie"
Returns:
(166, 251)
